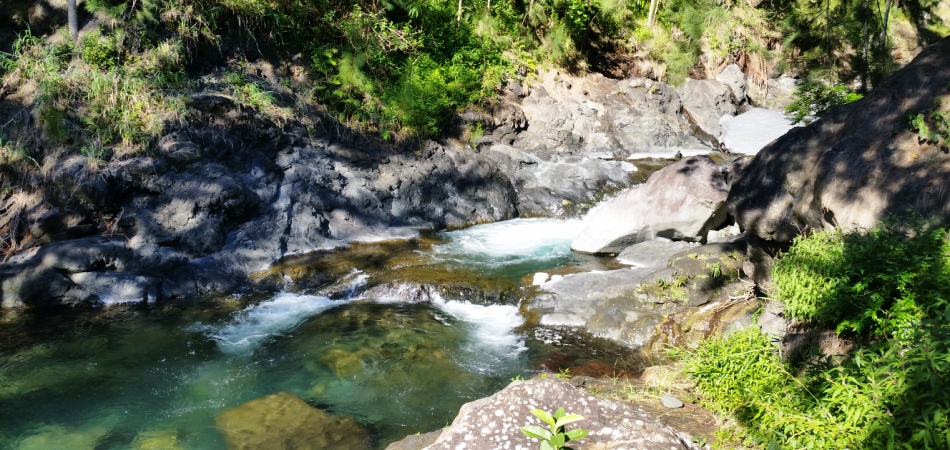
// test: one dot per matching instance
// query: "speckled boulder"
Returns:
(494, 423)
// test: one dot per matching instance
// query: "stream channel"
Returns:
(343, 336)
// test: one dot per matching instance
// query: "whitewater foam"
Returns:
(510, 242)
(260, 322)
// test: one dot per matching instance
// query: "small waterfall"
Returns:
(502, 245)
(260, 322)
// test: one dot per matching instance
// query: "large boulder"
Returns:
(547, 183)
(284, 421)
(681, 201)
(564, 140)
(856, 165)
(219, 201)
(495, 422)
(706, 102)
(734, 79)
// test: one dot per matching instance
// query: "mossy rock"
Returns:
(283, 421)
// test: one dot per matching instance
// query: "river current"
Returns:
(156, 376)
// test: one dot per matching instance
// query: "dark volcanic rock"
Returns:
(856, 165)
(214, 203)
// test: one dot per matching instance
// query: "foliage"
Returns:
(882, 284)
(932, 125)
(554, 437)
(889, 289)
(724, 31)
(255, 95)
(814, 99)
(85, 97)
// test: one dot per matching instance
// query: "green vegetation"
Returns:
(932, 125)
(554, 437)
(401, 69)
(813, 99)
(889, 291)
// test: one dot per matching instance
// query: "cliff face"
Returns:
(859, 164)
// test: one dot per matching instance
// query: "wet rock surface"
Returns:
(688, 298)
(215, 204)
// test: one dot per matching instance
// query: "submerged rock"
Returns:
(283, 421)
(681, 201)
(495, 422)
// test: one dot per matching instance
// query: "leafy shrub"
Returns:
(932, 125)
(813, 100)
(98, 51)
(881, 284)
(891, 288)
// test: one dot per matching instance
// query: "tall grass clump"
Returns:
(88, 95)
(888, 290)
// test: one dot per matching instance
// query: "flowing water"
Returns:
(156, 377)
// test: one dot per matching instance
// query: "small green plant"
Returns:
(931, 126)
(813, 99)
(554, 437)
(98, 50)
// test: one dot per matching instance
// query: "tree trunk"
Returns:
(458, 17)
(72, 19)
(652, 13)
(887, 11)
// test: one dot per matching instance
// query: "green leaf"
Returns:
(543, 415)
(559, 413)
(546, 446)
(576, 434)
(558, 440)
(570, 418)
(536, 432)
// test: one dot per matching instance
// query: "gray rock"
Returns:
(776, 93)
(670, 401)
(573, 299)
(211, 207)
(652, 253)
(493, 423)
(733, 77)
(544, 185)
(113, 288)
(706, 102)
(681, 201)
(569, 114)
(752, 130)
(415, 441)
